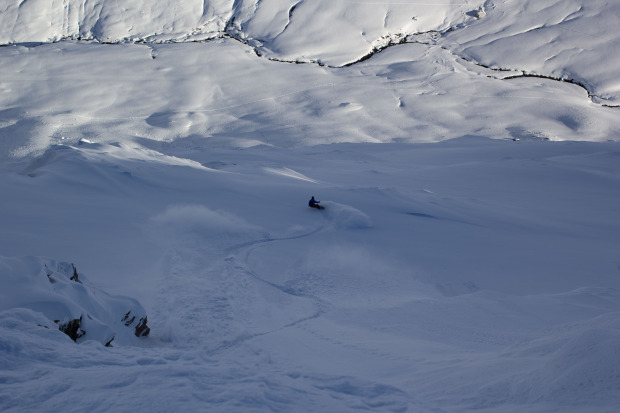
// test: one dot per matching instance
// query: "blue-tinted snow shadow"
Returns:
(160, 119)
(441, 219)
(468, 140)
(421, 215)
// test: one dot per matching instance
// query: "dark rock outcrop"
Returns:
(72, 328)
(141, 328)
(80, 310)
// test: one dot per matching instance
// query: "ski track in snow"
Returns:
(203, 285)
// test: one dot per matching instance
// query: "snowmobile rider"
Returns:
(313, 203)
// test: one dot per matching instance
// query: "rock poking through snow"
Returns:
(83, 312)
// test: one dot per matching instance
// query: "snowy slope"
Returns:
(409, 93)
(328, 30)
(566, 39)
(57, 291)
(109, 20)
(471, 275)
(467, 259)
(434, 88)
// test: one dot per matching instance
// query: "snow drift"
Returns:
(56, 290)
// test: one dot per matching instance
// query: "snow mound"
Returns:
(345, 216)
(56, 290)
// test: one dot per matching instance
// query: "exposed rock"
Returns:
(128, 320)
(75, 276)
(141, 329)
(72, 328)
(56, 290)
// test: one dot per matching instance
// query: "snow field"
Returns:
(566, 39)
(563, 39)
(433, 267)
(72, 91)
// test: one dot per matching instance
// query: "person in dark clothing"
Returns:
(313, 203)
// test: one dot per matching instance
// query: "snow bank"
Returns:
(56, 290)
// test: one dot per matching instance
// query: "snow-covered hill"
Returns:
(565, 39)
(330, 30)
(568, 39)
(457, 74)
(220, 93)
(471, 275)
(58, 292)
(467, 154)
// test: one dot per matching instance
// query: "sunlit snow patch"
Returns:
(290, 174)
(88, 153)
(124, 151)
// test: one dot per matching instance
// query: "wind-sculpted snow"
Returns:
(56, 290)
(334, 32)
(220, 94)
(111, 20)
(340, 32)
(570, 40)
